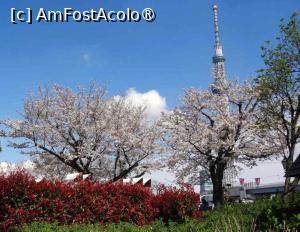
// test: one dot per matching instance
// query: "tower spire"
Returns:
(219, 75)
(218, 47)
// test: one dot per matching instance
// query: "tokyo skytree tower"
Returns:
(220, 84)
(219, 74)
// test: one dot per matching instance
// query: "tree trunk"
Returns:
(217, 173)
(289, 163)
(290, 187)
(124, 173)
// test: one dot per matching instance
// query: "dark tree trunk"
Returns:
(124, 173)
(288, 185)
(217, 173)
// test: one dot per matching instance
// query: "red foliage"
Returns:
(23, 200)
(175, 204)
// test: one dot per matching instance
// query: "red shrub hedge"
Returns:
(23, 200)
(175, 204)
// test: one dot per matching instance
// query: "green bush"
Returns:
(277, 214)
(265, 214)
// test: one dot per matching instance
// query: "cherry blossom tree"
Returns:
(84, 131)
(214, 132)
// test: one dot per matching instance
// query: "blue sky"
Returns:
(170, 54)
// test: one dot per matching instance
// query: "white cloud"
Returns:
(86, 57)
(154, 103)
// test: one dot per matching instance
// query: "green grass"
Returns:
(189, 226)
